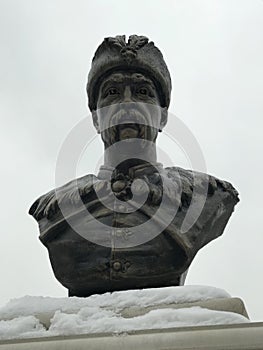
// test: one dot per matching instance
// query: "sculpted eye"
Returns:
(112, 91)
(143, 91)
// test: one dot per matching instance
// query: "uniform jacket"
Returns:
(97, 245)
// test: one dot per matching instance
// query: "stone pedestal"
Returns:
(209, 323)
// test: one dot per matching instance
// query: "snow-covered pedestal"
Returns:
(118, 316)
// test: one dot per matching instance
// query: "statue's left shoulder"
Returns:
(206, 204)
(191, 179)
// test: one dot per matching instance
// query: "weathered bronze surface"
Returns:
(129, 89)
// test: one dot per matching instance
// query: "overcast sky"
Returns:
(214, 51)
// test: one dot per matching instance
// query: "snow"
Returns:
(21, 327)
(23, 317)
(31, 305)
(107, 321)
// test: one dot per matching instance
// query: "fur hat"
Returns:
(138, 54)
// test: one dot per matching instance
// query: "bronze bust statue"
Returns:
(122, 229)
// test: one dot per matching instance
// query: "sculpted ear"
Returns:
(96, 121)
(163, 118)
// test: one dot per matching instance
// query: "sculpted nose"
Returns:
(127, 95)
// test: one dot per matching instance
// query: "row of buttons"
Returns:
(118, 265)
(125, 232)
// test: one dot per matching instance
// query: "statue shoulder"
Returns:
(48, 204)
(191, 179)
(205, 206)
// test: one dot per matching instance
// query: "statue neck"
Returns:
(126, 155)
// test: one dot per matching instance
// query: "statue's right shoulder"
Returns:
(48, 204)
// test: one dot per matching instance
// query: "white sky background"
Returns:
(214, 51)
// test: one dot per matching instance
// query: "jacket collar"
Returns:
(106, 172)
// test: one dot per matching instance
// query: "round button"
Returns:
(139, 186)
(119, 233)
(116, 265)
(118, 185)
(121, 208)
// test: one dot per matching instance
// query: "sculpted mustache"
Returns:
(127, 116)
(139, 113)
(124, 116)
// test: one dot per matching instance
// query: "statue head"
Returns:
(129, 89)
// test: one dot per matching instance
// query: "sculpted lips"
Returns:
(128, 131)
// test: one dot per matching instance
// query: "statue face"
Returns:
(127, 108)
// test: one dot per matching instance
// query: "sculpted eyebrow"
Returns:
(143, 80)
(120, 80)
(115, 80)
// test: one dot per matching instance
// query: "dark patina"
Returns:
(129, 90)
